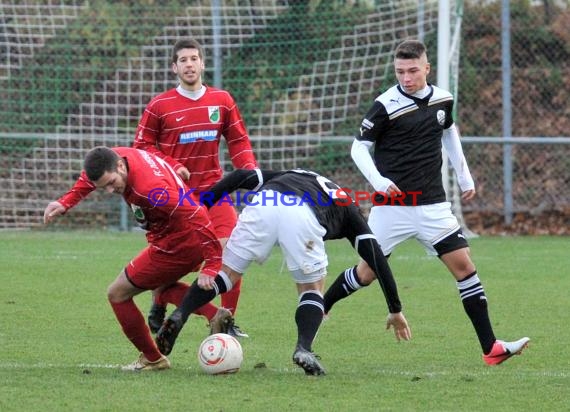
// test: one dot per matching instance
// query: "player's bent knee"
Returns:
(115, 294)
(365, 273)
(121, 289)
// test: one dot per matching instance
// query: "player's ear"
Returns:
(174, 68)
(122, 166)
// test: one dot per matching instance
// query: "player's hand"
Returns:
(183, 173)
(52, 210)
(393, 190)
(400, 324)
(468, 194)
(205, 282)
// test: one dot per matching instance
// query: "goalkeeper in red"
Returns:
(184, 126)
(406, 128)
(180, 236)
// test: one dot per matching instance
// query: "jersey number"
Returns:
(328, 186)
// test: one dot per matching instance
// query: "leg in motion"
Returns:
(474, 302)
(308, 316)
(195, 298)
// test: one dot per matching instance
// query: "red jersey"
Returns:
(153, 191)
(187, 132)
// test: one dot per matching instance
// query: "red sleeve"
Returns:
(78, 192)
(146, 137)
(212, 252)
(237, 138)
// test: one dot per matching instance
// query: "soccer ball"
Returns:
(220, 353)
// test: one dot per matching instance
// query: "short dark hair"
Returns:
(99, 160)
(410, 49)
(186, 44)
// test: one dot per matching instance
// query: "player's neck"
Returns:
(421, 93)
(191, 94)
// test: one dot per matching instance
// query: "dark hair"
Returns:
(186, 44)
(410, 49)
(99, 160)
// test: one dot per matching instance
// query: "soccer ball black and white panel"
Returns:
(220, 354)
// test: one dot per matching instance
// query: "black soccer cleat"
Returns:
(156, 317)
(308, 361)
(168, 332)
(235, 331)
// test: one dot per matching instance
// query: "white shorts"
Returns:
(429, 224)
(294, 228)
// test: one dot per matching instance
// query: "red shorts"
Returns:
(153, 267)
(224, 218)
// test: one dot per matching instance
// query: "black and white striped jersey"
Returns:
(406, 132)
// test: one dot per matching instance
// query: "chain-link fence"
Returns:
(75, 74)
(536, 193)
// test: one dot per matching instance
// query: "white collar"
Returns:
(191, 94)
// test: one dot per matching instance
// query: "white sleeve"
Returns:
(360, 153)
(452, 146)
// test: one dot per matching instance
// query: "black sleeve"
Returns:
(362, 239)
(373, 123)
(249, 179)
(449, 116)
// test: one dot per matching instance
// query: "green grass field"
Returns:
(61, 345)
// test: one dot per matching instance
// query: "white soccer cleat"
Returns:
(504, 350)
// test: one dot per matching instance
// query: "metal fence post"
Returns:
(507, 111)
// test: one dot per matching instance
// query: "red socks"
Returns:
(230, 298)
(134, 327)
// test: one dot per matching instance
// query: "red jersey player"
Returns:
(180, 236)
(184, 127)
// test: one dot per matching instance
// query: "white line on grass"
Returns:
(429, 374)
(392, 372)
(43, 365)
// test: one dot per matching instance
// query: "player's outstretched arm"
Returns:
(250, 179)
(400, 324)
(52, 210)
